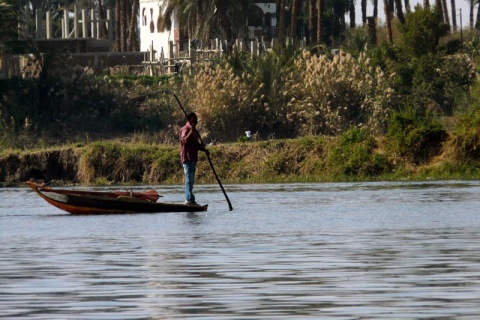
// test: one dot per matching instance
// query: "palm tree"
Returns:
(295, 12)
(320, 8)
(375, 8)
(123, 24)
(401, 17)
(391, 6)
(445, 12)
(364, 11)
(407, 6)
(477, 25)
(118, 13)
(13, 40)
(388, 21)
(311, 20)
(293, 22)
(133, 44)
(281, 20)
(352, 14)
(454, 15)
(472, 5)
(9, 19)
(222, 18)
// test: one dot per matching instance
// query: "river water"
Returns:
(384, 250)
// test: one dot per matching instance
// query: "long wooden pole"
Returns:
(208, 157)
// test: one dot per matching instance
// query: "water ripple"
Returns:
(332, 251)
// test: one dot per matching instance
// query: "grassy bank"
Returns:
(354, 156)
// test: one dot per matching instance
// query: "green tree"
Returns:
(424, 27)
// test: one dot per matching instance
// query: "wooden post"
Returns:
(110, 24)
(254, 48)
(75, 22)
(84, 23)
(66, 23)
(93, 23)
(48, 25)
(193, 56)
(150, 59)
(171, 57)
(27, 19)
(99, 28)
(38, 24)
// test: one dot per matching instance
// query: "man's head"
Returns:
(192, 118)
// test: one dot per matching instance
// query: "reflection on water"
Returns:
(333, 251)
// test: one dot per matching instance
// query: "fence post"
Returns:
(84, 23)
(110, 24)
(171, 60)
(150, 59)
(75, 22)
(66, 24)
(254, 46)
(93, 23)
(48, 25)
(38, 24)
(27, 19)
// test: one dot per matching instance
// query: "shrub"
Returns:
(415, 137)
(330, 95)
(354, 156)
(464, 144)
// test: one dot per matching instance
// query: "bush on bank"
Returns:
(309, 96)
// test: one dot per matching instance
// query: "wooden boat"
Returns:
(96, 202)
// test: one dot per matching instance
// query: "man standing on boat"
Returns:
(190, 143)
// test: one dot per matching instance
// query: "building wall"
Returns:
(150, 11)
(150, 32)
(269, 10)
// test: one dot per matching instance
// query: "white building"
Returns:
(262, 22)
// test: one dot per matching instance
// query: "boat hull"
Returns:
(103, 203)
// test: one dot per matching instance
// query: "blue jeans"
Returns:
(189, 170)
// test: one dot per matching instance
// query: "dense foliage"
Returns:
(406, 92)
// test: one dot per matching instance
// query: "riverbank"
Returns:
(312, 159)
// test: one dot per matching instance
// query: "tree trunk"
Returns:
(439, 7)
(118, 9)
(311, 21)
(445, 12)
(391, 7)
(132, 33)
(401, 17)
(352, 14)
(388, 21)
(407, 6)
(364, 11)
(426, 4)
(293, 21)
(320, 21)
(454, 15)
(225, 23)
(477, 25)
(198, 16)
(123, 26)
(102, 15)
(375, 9)
(472, 5)
(281, 22)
